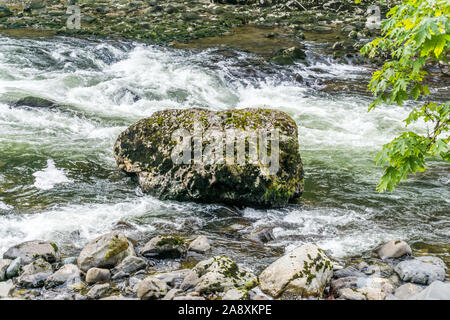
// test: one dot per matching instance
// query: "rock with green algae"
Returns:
(32, 250)
(304, 271)
(218, 274)
(146, 149)
(106, 251)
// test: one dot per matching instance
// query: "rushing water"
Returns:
(59, 180)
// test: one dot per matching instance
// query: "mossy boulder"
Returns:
(106, 251)
(302, 272)
(147, 147)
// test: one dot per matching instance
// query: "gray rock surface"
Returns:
(128, 266)
(151, 288)
(164, 247)
(146, 149)
(98, 275)
(393, 249)
(407, 290)
(437, 290)
(14, 268)
(32, 250)
(98, 291)
(4, 264)
(68, 274)
(201, 244)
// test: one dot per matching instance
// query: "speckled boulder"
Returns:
(146, 149)
(421, 270)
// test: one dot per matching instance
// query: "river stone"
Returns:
(105, 251)
(217, 274)
(438, 290)
(151, 288)
(407, 290)
(14, 268)
(174, 278)
(35, 274)
(393, 249)
(146, 148)
(236, 294)
(34, 102)
(68, 274)
(200, 245)
(263, 235)
(421, 270)
(128, 266)
(350, 271)
(98, 275)
(4, 264)
(98, 291)
(164, 247)
(31, 250)
(304, 271)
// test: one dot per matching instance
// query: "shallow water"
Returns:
(59, 180)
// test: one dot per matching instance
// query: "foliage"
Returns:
(416, 36)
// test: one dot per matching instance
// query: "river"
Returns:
(59, 180)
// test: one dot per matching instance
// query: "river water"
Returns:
(59, 180)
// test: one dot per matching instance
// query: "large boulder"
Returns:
(217, 275)
(421, 270)
(304, 271)
(106, 251)
(32, 250)
(206, 156)
(393, 249)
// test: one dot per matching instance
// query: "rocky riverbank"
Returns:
(168, 267)
(173, 21)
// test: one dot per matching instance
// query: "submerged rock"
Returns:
(289, 56)
(164, 247)
(393, 249)
(182, 155)
(32, 250)
(304, 271)
(105, 251)
(421, 270)
(216, 275)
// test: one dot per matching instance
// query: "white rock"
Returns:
(421, 270)
(67, 275)
(98, 275)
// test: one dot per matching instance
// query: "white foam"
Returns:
(46, 179)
